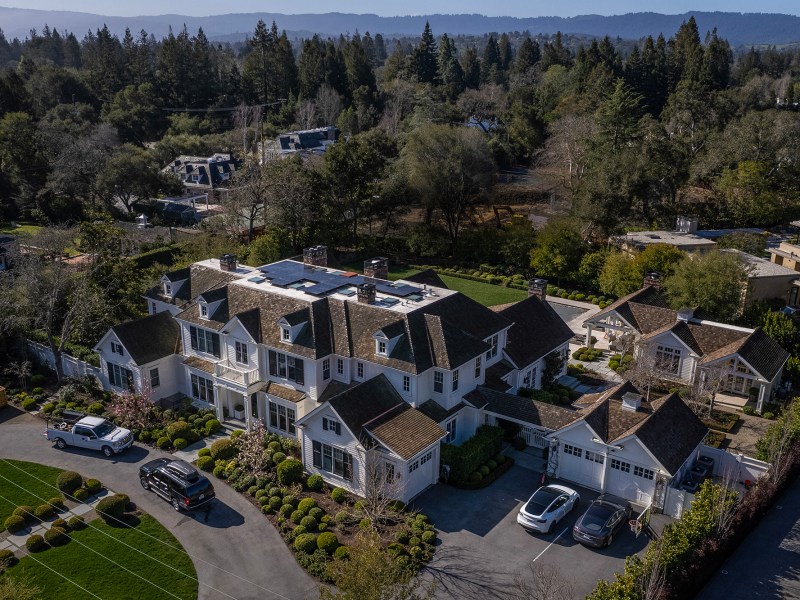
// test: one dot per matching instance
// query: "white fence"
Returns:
(71, 366)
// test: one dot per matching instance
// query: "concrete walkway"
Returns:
(234, 548)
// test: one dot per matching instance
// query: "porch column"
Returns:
(589, 329)
(247, 410)
(218, 404)
(762, 392)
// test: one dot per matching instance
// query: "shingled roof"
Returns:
(200, 279)
(759, 350)
(537, 331)
(150, 338)
(427, 277)
(518, 408)
(374, 411)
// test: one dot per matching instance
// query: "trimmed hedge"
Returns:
(223, 449)
(14, 523)
(55, 536)
(112, 508)
(328, 542)
(26, 512)
(93, 486)
(69, 481)
(7, 559)
(467, 458)
(290, 471)
(306, 504)
(338, 495)
(81, 494)
(315, 483)
(77, 523)
(36, 543)
(306, 542)
(205, 463)
(44, 512)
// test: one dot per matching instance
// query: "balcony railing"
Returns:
(236, 374)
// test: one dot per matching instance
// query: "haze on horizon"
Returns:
(511, 8)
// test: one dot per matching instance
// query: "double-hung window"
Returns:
(120, 377)
(455, 380)
(326, 369)
(331, 459)
(450, 426)
(286, 334)
(340, 366)
(406, 383)
(360, 370)
(477, 367)
(492, 341)
(282, 417)
(241, 353)
(202, 389)
(155, 380)
(203, 340)
(288, 367)
(382, 347)
(438, 382)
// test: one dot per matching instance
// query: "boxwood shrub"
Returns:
(205, 463)
(180, 443)
(36, 543)
(26, 512)
(14, 523)
(338, 495)
(306, 504)
(342, 553)
(81, 494)
(163, 443)
(290, 471)
(93, 486)
(44, 512)
(328, 542)
(55, 536)
(112, 508)
(467, 458)
(69, 481)
(77, 523)
(315, 483)
(306, 543)
(222, 449)
(204, 452)
(7, 559)
(309, 522)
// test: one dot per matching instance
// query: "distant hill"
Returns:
(740, 29)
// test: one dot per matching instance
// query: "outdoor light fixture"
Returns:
(613, 447)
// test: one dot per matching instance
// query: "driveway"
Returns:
(483, 550)
(767, 562)
(233, 547)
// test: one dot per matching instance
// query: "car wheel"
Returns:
(175, 504)
(143, 481)
(550, 528)
(60, 444)
(610, 539)
(108, 451)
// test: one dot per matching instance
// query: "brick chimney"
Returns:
(315, 256)
(227, 262)
(653, 279)
(366, 293)
(538, 288)
(377, 268)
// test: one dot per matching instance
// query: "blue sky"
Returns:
(514, 8)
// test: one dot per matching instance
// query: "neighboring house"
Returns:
(687, 348)
(622, 444)
(787, 255)
(142, 356)
(306, 142)
(8, 249)
(205, 174)
(368, 435)
(683, 238)
(281, 341)
(767, 280)
(485, 124)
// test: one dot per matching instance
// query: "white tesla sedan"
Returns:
(548, 505)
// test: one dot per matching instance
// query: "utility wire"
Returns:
(77, 585)
(160, 541)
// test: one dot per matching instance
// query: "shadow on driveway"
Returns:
(218, 515)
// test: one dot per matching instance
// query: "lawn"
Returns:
(98, 573)
(485, 293)
(24, 230)
(38, 492)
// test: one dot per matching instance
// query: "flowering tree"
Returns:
(250, 446)
(132, 410)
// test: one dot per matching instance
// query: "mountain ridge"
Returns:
(741, 29)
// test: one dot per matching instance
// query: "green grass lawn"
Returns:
(24, 229)
(99, 574)
(485, 293)
(29, 479)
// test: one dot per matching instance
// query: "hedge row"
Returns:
(166, 255)
(467, 458)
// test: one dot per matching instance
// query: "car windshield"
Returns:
(541, 500)
(104, 429)
(596, 517)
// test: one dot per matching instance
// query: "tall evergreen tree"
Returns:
(471, 68)
(491, 70)
(505, 52)
(311, 66)
(450, 71)
(423, 60)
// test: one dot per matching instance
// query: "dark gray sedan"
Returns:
(601, 521)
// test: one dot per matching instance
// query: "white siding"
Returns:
(170, 375)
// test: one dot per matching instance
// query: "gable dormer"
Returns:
(171, 283)
(386, 338)
(292, 325)
(209, 302)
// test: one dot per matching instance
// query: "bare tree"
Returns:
(544, 582)
(291, 201)
(710, 381)
(653, 575)
(244, 206)
(21, 370)
(328, 103)
(399, 103)
(644, 371)
(775, 446)
(245, 117)
(307, 114)
(567, 147)
(724, 503)
(383, 485)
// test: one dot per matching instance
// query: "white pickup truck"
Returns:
(94, 433)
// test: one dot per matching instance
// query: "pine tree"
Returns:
(452, 76)
(380, 50)
(717, 62)
(528, 56)
(505, 51)
(423, 60)
(491, 71)
(471, 68)
(311, 67)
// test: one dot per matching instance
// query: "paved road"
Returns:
(233, 547)
(767, 563)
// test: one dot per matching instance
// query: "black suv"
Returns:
(176, 481)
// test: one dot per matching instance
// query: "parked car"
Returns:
(601, 521)
(94, 433)
(178, 482)
(546, 507)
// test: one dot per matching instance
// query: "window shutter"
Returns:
(193, 336)
(337, 427)
(324, 423)
(298, 368)
(273, 363)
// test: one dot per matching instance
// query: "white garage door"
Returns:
(630, 481)
(582, 466)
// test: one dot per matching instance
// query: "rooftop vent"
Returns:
(366, 293)
(538, 288)
(631, 401)
(227, 262)
(685, 314)
(377, 268)
(315, 256)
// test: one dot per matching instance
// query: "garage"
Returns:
(582, 466)
(631, 481)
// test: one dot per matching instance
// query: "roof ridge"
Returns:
(383, 414)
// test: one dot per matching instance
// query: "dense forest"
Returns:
(634, 132)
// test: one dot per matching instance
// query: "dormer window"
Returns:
(286, 335)
(116, 348)
(203, 310)
(380, 347)
(168, 289)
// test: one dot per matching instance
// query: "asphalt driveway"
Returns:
(483, 550)
(233, 547)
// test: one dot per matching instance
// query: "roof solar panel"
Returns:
(346, 292)
(390, 301)
(257, 279)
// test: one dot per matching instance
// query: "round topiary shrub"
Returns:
(414, 541)
(57, 502)
(342, 517)
(180, 443)
(484, 469)
(278, 457)
(204, 452)
(275, 502)
(306, 504)
(315, 483)
(212, 426)
(358, 506)
(112, 508)
(322, 527)
(338, 495)
(253, 490)
(769, 415)
(328, 542)
(93, 486)
(205, 463)
(7, 559)
(491, 464)
(69, 481)
(317, 513)
(261, 493)
(35, 543)
(286, 510)
(290, 471)
(219, 472)
(26, 512)
(29, 404)
(274, 446)
(264, 500)
(342, 553)
(309, 522)
(365, 524)
(44, 512)
(55, 536)
(306, 543)
(299, 530)
(401, 537)
(163, 443)
(475, 477)
(95, 408)
(81, 494)
(77, 523)
(48, 408)
(395, 549)
(62, 524)
(145, 436)
(296, 516)
(421, 518)
(14, 523)
(416, 552)
(429, 537)
(223, 449)
(290, 499)
(178, 430)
